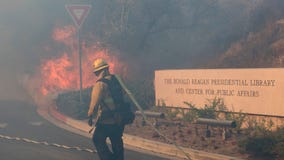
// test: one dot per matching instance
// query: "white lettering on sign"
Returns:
(258, 91)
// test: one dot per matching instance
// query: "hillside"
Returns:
(169, 34)
(260, 49)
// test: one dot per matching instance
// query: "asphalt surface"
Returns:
(19, 121)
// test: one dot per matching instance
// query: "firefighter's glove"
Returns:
(90, 121)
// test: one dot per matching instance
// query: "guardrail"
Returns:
(151, 114)
(217, 123)
(156, 115)
(203, 121)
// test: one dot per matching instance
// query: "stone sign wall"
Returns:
(257, 91)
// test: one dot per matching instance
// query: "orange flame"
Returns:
(62, 73)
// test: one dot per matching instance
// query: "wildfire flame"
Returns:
(62, 73)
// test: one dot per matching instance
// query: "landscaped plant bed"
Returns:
(187, 135)
(257, 142)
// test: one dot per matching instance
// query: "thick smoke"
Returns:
(25, 27)
(148, 34)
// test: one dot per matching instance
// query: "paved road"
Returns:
(20, 119)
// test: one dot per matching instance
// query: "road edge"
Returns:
(51, 113)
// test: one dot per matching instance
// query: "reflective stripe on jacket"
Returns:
(102, 100)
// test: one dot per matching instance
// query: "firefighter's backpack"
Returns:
(122, 113)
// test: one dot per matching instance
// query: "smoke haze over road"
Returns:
(24, 28)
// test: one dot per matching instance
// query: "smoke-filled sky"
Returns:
(149, 34)
(24, 26)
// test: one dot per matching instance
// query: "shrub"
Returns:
(209, 110)
(259, 146)
(265, 143)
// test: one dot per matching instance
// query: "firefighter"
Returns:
(106, 125)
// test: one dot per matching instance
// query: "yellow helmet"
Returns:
(100, 64)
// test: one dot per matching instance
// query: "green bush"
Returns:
(69, 103)
(278, 148)
(265, 143)
(209, 110)
(259, 146)
(190, 116)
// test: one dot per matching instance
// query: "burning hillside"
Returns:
(61, 72)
